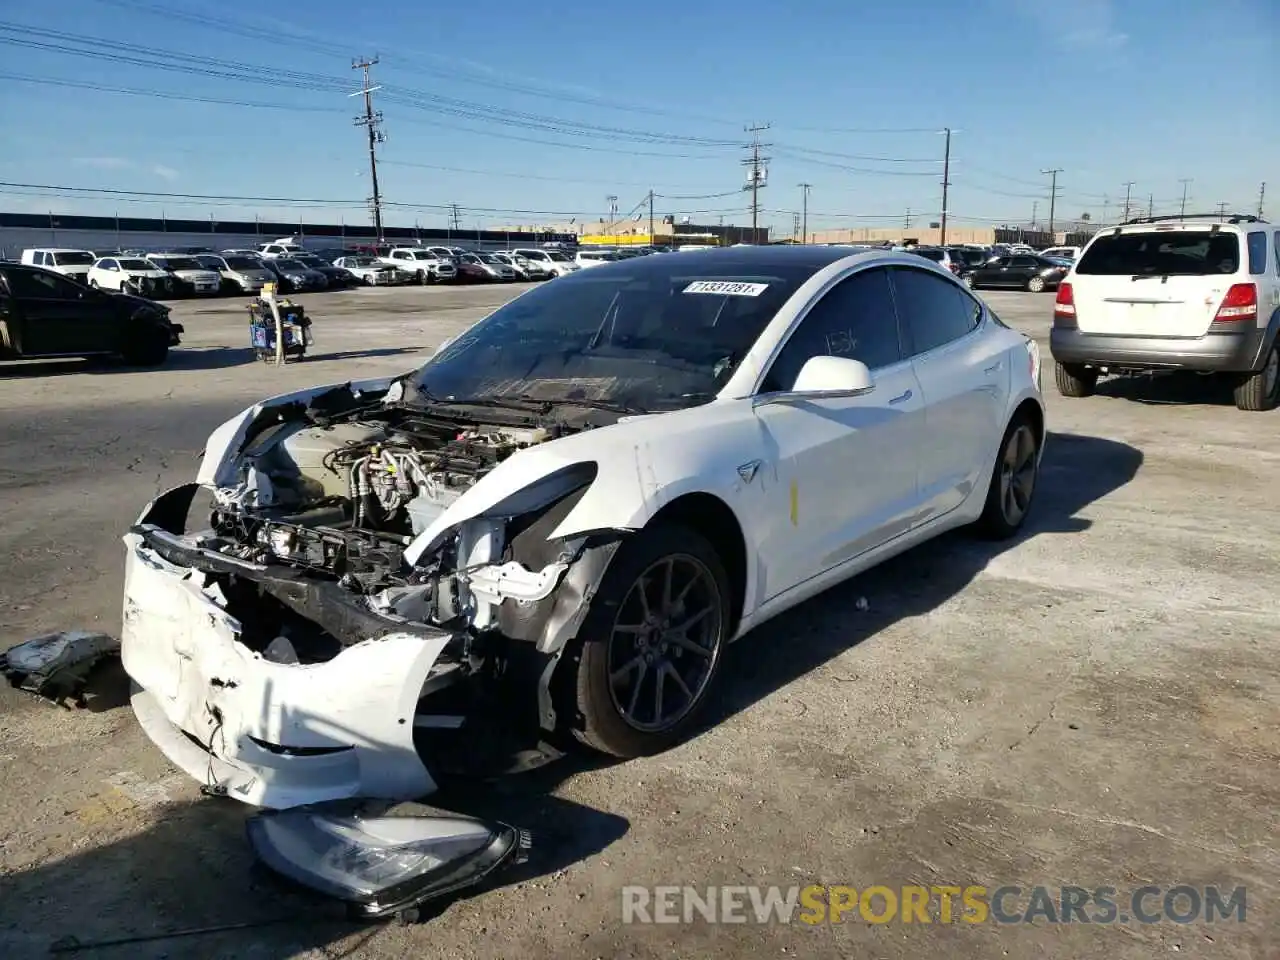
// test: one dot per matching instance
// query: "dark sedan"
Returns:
(1021, 272)
(43, 314)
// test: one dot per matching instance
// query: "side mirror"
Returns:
(833, 375)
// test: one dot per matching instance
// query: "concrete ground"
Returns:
(1094, 704)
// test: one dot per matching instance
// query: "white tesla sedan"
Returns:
(579, 501)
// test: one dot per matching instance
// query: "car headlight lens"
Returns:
(382, 858)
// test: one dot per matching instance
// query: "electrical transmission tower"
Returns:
(757, 175)
(1262, 195)
(372, 121)
(455, 217)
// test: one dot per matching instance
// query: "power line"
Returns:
(1128, 191)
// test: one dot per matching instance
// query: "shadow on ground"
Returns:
(1171, 389)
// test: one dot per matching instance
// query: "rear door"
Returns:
(964, 380)
(1166, 282)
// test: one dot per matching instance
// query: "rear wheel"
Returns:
(1261, 390)
(1036, 284)
(1074, 380)
(1013, 481)
(968, 281)
(652, 642)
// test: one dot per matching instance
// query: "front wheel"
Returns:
(1261, 390)
(652, 642)
(1036, 284)
(1013, 481)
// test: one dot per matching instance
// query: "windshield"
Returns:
(1194, 253)
(934, 255)
(210, 263)
(649, 335)
(73, 259)
(241, 263)
(560, 257)
(489, 258)
(135, 265)
(177, 263)
(359, 262)
(285, 264)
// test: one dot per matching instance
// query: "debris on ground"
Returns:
(56, 666)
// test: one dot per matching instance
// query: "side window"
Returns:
(40, 285)
(934, 310)
(109, 265)
(853, 319)
(1258, 252)
(1024, 262)
(1275, 249)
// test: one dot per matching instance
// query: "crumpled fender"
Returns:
(222, 450)
(639, 465)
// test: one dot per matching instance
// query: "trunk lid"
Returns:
(1162, 282)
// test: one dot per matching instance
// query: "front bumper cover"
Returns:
(270, 734)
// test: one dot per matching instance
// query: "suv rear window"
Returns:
(1194, 253)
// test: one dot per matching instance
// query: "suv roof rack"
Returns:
(1221, 217)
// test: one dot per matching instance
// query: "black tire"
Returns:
(1075, 381)
(1014, 477)
(601, 722)
(1260, 390)
(1036, 285)
(93, 284)
(150, 351)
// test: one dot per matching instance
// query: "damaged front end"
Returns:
(350, 608)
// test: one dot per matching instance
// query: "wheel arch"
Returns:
(1032, 410)
(714, 519)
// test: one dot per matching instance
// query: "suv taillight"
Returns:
(1240, 305)
(1064, 307)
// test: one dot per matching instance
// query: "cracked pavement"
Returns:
(1097, 703)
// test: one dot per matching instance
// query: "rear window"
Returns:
(73, 259)
(934, 255)
(1257, 253)
(1193, 253)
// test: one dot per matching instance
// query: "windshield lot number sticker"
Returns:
(727, 288)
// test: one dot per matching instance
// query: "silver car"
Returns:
(246, 273)
(493, 268)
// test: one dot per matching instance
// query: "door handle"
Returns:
(901, 398)
(993, 368)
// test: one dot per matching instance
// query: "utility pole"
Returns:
(1222, 211)
(612, 200)
(755, 179)
(946, 182)
(651, 217)
(1182, 210)
(372, 121)
(1262, 195)
(906, 222)
(1035, 206)
(1106, 202)
(1053, 194)
(795, 225)
(804, 219)
(1151, 204)
(455, 217)
(1128, 192)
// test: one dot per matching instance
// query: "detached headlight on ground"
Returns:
(382, 859)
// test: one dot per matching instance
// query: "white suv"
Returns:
(557, 262)
(68, 262)
(1174, 293)
(428, 267)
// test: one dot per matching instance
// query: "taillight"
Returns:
(1064, 307)
(1240, 305)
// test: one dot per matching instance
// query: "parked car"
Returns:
(607, 480)
(68, 262)
(939, 255)
(131, 275)
(1062, 253)
(44, 314)
(337, 277)
(526, 269)
(295, 276)
(487, 266)
(595, 258)
(1174, 293)
(967, 258)
(192, 277)
(284, 247)
(558, 261)
(373, 272)
(428, 267)
(239, 272)
(1021, 272)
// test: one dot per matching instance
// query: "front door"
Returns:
(842, 469)
(62, 317)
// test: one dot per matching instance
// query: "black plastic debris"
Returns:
(56, 666)
(383, 859)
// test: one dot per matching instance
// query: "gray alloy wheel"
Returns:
(1035, 284)
(666, 641)
(1017, 474)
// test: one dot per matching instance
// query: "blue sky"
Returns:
(512, 105)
